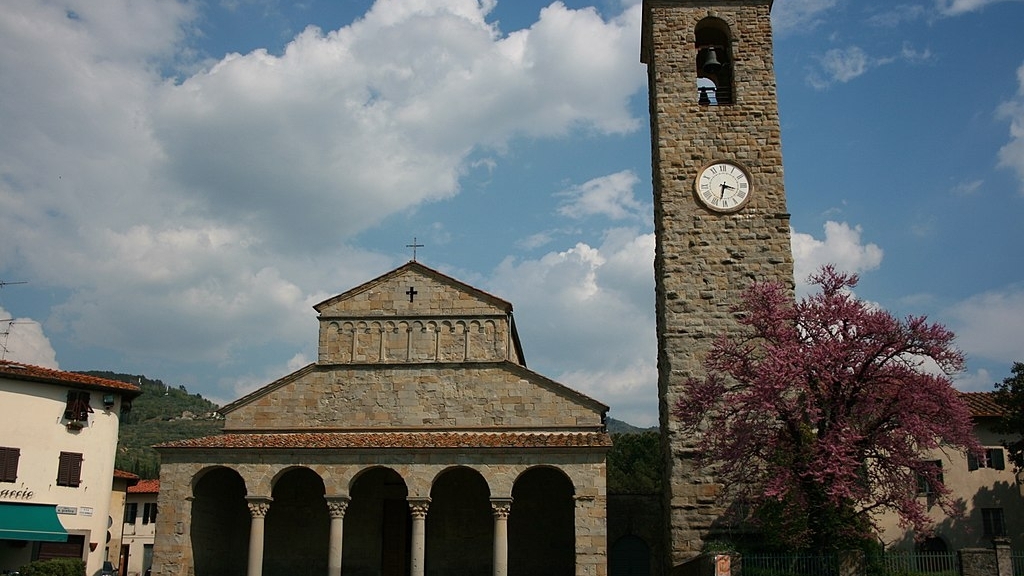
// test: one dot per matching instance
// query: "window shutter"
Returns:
(9, 464)
(972, 461)
(69, 469)
(997, 459)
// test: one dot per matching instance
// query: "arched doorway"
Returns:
(220, 524)
(297, 526)
(460, 525)
(377, 525)
(629, 556)
(542, 524)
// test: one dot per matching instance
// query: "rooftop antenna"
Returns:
(6, 333)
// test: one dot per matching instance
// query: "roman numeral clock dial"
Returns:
(723, 186)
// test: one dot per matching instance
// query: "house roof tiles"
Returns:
(19, 371)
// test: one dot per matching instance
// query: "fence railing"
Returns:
(1017, 559)
(891, 564)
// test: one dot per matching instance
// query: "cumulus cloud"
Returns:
(990, 325)
(190, 217)
(22, 340)
(610, 196)
(842, 246)
(1011, 155)
(591, 306)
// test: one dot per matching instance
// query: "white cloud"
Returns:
(799, 15)
(611, 196)
(593, 307)
(1011, 155)
(958, 7)
(842, 247)
(991, 325)
(191, 219)
(842, 65)
(22, 340)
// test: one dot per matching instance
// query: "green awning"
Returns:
(35, 522)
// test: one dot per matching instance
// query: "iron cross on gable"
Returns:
(414, 246)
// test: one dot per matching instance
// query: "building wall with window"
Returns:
(58, 437)
(139, 527)
(986, 484)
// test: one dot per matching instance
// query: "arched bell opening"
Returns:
(714, 62)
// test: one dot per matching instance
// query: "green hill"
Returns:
(160, 414)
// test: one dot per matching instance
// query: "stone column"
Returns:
(418, 507)
(336, 506)
(258, 508)
(501, 508)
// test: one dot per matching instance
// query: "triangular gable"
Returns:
(482, 396)
(396, 284)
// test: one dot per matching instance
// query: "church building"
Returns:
(418, 443)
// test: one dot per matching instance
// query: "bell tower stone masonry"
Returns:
(719, 212)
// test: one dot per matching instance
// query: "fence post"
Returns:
(1004, 558)
(851, 563)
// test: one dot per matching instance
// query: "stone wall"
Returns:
(416, 397)
(703, 259)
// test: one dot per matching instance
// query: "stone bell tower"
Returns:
(719, 211)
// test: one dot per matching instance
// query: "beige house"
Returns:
(418, 443)
(986, 484)
(138, 528)
(58, 438)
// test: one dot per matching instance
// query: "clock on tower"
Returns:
(720, 211)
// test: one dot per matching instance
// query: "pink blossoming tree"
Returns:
(824, 412)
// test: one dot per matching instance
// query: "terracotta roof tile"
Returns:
(982, 404)
(125, 475)
(397, 440)
(19, 371)
(145, 487)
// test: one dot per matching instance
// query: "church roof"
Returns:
(415, 266)
(395, 440)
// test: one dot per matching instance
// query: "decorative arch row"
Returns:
(414, 341)
(383, 526)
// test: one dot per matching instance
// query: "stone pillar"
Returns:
(258, 508)
(336, 506)
(418, 507)
(501, 508)
(1004, 556)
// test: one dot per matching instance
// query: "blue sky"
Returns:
(181, 181)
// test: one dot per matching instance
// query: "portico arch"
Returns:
(297, 525)
(460, 525)
(542, 524)
(377, 525)
(220, 523)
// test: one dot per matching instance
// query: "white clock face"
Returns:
(723, 187)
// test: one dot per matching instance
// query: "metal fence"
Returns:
(892, 564)
(1017, 559)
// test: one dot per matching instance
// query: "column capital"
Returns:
(337, 505)
(258, 505)
(501, 507)
(419, 507)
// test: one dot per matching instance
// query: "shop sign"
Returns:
(17, 494)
